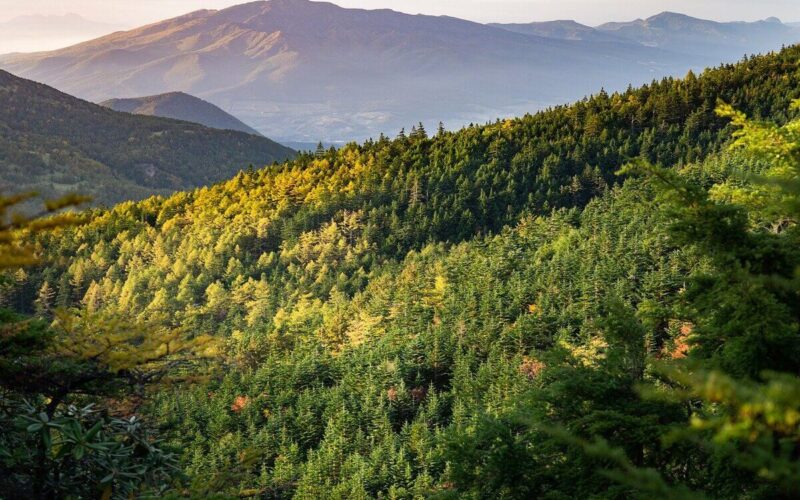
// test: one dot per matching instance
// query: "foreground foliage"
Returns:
(49, 446)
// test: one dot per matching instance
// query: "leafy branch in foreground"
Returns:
(54, 442)
(15, 228)
(740, 376)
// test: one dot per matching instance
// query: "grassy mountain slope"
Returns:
(388, 308)
(180, 106)
(54, 143)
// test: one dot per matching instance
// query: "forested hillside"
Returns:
(497, 312)
(54, 143)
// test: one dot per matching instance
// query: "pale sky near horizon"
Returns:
(136, 12)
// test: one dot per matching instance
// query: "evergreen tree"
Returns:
(45, 300)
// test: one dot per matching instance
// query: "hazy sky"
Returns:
(136, 12)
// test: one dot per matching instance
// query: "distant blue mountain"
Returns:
(682, 33)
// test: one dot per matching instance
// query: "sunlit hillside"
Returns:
(598, 300)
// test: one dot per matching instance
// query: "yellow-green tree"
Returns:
(58, 436)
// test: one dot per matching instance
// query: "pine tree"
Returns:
(414, 195)
(45, 300)
(418, 132)
(64, 295)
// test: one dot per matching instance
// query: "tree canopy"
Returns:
(595, 301)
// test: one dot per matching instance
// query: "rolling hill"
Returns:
(307, 71)
(180, 106)
(54, 143)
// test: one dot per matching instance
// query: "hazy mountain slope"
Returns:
(53, 143)
(682, 33)
(180, 106)
(40, 32)
(675, 32)
(565, 30)
(304, 71)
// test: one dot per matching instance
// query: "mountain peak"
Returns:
(674, 20)
(562, 29)
(290, 2)
(180, 106)
(667, 14)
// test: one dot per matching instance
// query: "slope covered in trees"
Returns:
(54, 143)
(487, 313)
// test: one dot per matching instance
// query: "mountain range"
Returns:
(681, 33)
(47, 32)
(180, 106)
(53, 143)
(676, 33)
(564, 30)
(304, 71)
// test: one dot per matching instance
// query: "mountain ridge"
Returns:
(680, 32)
(180, 106)
(660, 30)
(566, 29)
